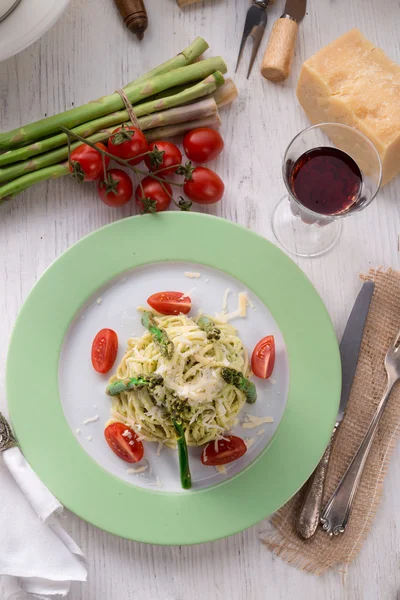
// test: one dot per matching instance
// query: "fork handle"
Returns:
(310, 511)
(336, 514)
(279, 53)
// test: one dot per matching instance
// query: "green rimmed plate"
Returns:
(52, 324)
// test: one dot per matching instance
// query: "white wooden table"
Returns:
(89, 53)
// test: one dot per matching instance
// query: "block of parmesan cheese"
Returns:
(351, 81)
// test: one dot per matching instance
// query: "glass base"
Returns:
(299, 238)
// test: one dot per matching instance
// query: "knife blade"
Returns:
(309, 514)
(295, 10)
(279, 53)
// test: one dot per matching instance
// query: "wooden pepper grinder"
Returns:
(134, 14)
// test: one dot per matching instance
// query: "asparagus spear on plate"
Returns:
(186, 478)
(237, 379)
(124, 385)
(158, 334)
(208, 325)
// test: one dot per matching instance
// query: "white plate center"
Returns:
(82, 390)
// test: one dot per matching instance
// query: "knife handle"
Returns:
(309, 514)
(279, 53)
(134, 15)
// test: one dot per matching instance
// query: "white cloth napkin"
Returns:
(38, 559)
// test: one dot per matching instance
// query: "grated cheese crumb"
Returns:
(273, 381)
(225, 299)
(99, 300)
(242, 304)
(127, 434)
(139, 470)
(249, 442)
(191, 275)
(261, 432)
(156, 483)
(89, 438)
(91, 420)
(206, 280)
(78, 431)
(160, 447)
(221, 469)
(253, 421)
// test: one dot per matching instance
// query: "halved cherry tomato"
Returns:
(224, 451)
(123, 442)
(163, 157)
(263, 357)
(128, 142)
(170, 303)
(86, 164)
(104, 350)
(203, 144)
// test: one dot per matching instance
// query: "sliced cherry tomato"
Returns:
(86, 164)
(263, 357)
(116, 189)
(204, 187)
(104, 350)
(164, 157)
(170, 303)
(153, 196)
(123, 442)
(128, 142)
(203, 144)
(224, 451)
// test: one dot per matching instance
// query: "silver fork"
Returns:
(336, 514)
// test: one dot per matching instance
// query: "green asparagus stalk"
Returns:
(201, 109)
(103, 106)
(186, 57)
(208, 325)
(180, 128)
(158, 334)
(225, 94)
(125, 385)
(237, 379)
(10, 189)
(186, 478)
(203, 88)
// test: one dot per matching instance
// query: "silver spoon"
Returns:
(336, 514)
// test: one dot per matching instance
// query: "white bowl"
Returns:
(26, 23)
(6, 6)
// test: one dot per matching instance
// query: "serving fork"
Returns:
(336, 514)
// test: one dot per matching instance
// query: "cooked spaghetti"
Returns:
(190, 381)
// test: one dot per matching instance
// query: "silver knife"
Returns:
(279, 53)
(309, 514)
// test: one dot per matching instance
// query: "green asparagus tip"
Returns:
(237, 379)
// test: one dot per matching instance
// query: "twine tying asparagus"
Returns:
(129, 109)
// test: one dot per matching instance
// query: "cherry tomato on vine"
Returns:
(203, 144)
(123, 442)
(128, 142)
(86, 164)
(170, 303)
(116, 189)
(204, 187)
(223, 451)
(104, 350)
(263, 357)
(153, 195)
(164, 157)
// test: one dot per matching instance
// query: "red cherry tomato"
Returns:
(203, 144)
(153, 196)
(164, 157)
(263, 357)
(123, 442)
(170, 303)
(205, 186)
(128, 142)
(116, 189)
(104, 350)
(224, 451)
(86, 163)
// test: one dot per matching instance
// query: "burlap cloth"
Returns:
(321, 552)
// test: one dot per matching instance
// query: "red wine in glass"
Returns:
(326, 180)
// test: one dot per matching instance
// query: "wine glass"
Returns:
(330, 171)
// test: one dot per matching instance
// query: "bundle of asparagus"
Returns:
(181, 94)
